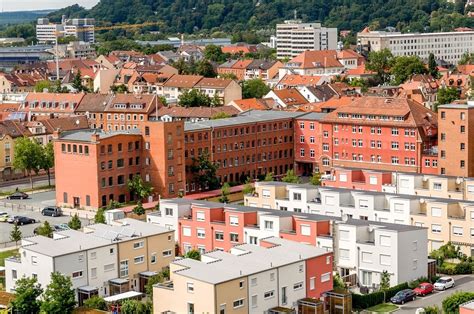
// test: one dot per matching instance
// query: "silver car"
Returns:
(444, 283)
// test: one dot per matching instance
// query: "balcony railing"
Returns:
(14, 259)
(433, 151)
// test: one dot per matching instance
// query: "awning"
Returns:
(88, 289)
(118, 281)
(123, 296)
(148, 273)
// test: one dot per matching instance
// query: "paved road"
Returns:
(463, 283)
(24, 183)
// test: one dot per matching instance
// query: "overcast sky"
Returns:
(23, 5)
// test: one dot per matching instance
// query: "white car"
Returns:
(444, 283)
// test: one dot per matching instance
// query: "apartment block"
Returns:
(456, 125)
(294, 37)
(269, 278)
(379, 133)
(447, 220)
(107, 160)
(446, 46)
(82, 29)
(208, 226)
(103, 260)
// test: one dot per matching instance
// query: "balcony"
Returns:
(14, 259)
(433, 151)
(366, 242)
(253, 226)
(168, 285)
(218, 222)
(288, 231)
(457, 217)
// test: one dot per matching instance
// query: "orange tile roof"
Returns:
(183, 81)
(466, 69)
(214, 82)
(317, 59)
(360, 70)
(348, 54)
(53, 97)
(241, 64)
(290, 96)
(328, 105)
(65, 124)
(292, 80)
(238, 49)
(251, 104)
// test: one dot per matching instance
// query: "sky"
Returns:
(28, 5)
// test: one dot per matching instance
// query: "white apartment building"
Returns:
(170, 211)
(90, 261)
(447, 46)
(82, 29)
(294, 37)
(368, 249)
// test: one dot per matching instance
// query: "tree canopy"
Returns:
(28, 156)
(59, 296)
(27, 292)
(204, 171)
(255, 88)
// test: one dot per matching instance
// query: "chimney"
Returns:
(56, 134)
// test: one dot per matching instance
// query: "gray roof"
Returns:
(469, 105)
(251, 259)
(261, 64)
(72, 241)
(379, 224)
(251, 116)
(85, 135)
(125, 230)
(316, 116)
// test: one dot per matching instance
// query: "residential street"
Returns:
(463, 283)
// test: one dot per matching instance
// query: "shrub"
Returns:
(360, 301)
(463, 268)
(451, 303)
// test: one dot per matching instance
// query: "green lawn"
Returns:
(383, 308)
(6, 254)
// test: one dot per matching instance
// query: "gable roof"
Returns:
(293, 80)
(213, 82)
(290, 97)
(65, 124)
(253, 104)
(316, 59)
(94, 103)
(183, 81)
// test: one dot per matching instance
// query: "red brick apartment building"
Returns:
(93, 166)
(249, 145)
(379, 133)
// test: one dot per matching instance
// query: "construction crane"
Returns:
(100, 28)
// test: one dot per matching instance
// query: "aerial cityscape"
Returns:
(251, 156)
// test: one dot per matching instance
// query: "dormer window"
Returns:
(136, 106)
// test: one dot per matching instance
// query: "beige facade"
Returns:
(228, 292)
(265, 195)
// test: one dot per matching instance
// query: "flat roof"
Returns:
(398, 34)
(123, 296)
(245, 260)
(85, 135)
(251, 116)
(468, 305)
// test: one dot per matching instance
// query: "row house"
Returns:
(447, 220)
(270, 278)
(379, 133)
(249, 145)
(50, 105)
(108, 159)
(102, 260)
(206, 226)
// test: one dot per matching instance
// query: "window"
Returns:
(253, 240)
(385, 240)
(367, 278)
(272, 276)
(385, 260)
(312, 283)
(233, 220)
(325, 277)
(186, 231)
(435, 228)
(77, 274)
(298, 286)
(238, 303)
(344, 254)
(190, 287)
(435, 211)
(437, 186)
(200, 216)
(363, 204)
(139, 259)
(138, 245)
(265, 193)
(253, 281)
(123, 268)
(301, 139)
(367, 257)
(269, 294)
(344, 235)
(458, 231)
(305, 230)
(394, 131)
(153, 258)
(201, 233)
(268, 225)
(297, 196)
(219, 236)
(94, 272)
(241, 284)
(234, 237)
(14, 274)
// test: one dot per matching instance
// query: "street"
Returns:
(24, 183)
(463, 283)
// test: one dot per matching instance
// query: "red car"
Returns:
(424, 289)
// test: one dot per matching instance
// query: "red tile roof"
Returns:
(290, 97)
(252, 104)
(317, 59)
(213, 82)
(65, 124)
(183, 81)
(293, 80)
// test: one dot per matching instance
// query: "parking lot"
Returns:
(29, 208)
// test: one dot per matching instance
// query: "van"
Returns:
(52, 211)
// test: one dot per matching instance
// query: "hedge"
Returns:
(364, 301)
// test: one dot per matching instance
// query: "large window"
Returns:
(124, 268)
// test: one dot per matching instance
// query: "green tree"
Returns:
(405, 66)
(380, 62)
(228, 76)
(138, 188)
(432, 310)
(194, 98)
(77, 82)
(225, 191)
(290, 177)
(337, 282)
(182, 66)
(466, 58)
(43, 85)
(59, 296)
(27, 292)
(27, 156)
(255, 88)
(432, 66)
(45, 230)
(112, 205)
(99, 217)
(96, 302)
(193, 254)
(315, 179)
(134, 307)
(248, 187)
(214, 53)
(447, 95)
(451, 303)
(205, 68)
(15, 234)
(47, 159)
(119, 89)
(269, 177)
(220, 115)
(385, 280)
(75, 222)
(153, 280)
(204, 172)
(139, 210)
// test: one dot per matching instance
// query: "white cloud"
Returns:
(23, 5)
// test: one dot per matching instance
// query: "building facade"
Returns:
(82, 29)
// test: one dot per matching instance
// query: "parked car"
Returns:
(11, 219)
(3, 216)
(18, 196)
(444, 283)
(52, 211)
(403, 296)
(22, 220)
(423, 289)
(58, 227)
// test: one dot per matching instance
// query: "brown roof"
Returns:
(54, 98)
(65, 124)
(328, 105)
(291, 80)
(253, 104)
(196, 112)
(94, 102)
(183, 81)
(13, 128)
(213, 82)
(317, 59)
(290, 96)
(148, 103)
